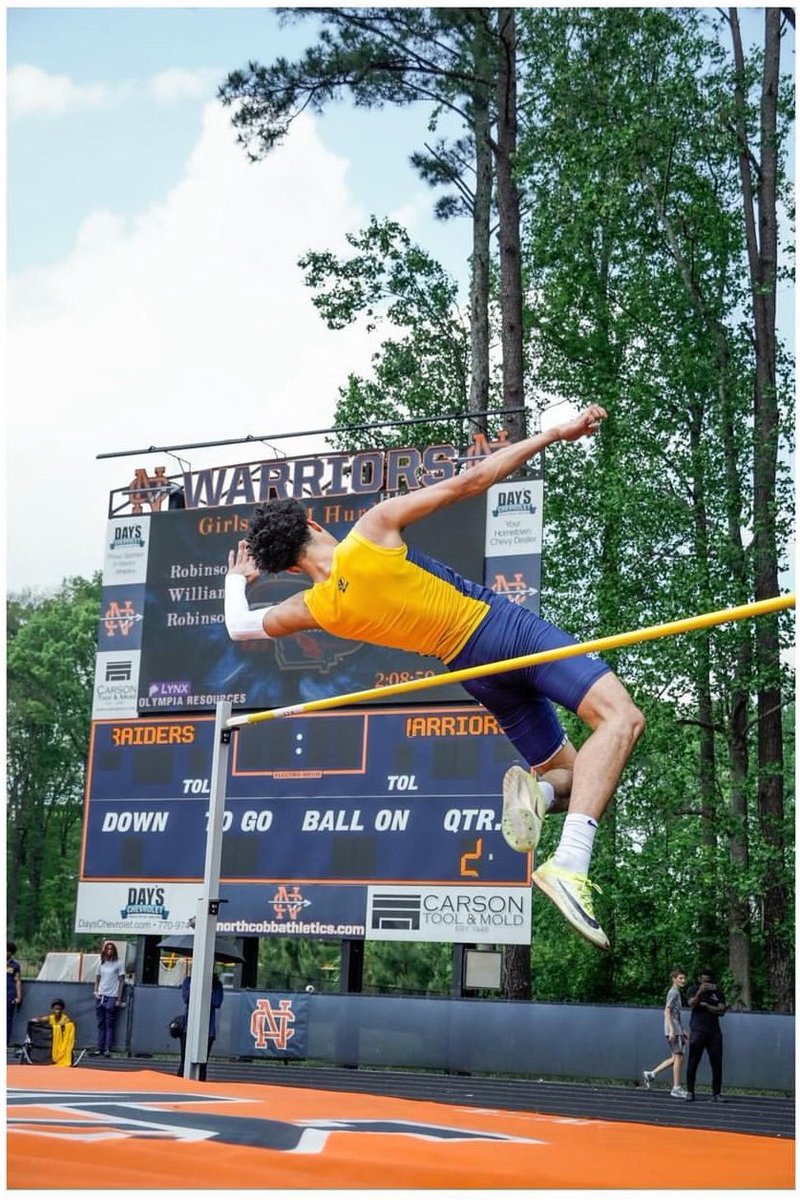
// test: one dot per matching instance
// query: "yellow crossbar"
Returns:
(757, 609)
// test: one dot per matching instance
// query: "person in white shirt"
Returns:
(676, 1036)
(109, 985)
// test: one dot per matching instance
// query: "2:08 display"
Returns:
(389, 678)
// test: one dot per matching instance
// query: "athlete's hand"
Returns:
(584, 425)
(240, 562)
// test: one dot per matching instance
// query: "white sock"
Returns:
(549, 794)
(574, 852)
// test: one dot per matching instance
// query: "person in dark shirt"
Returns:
(707, 1005)
(217, 996)
(13, 988)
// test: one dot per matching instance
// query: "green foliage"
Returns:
(634, 255)
(449, 60)
(405, 968)
(376, 55)
(292, 964)
(417, 968)
(635, 250)
(421, 368)
(51, 652)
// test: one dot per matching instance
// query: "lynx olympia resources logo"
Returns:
(97, 1116)
(172, 689)
(289, 902)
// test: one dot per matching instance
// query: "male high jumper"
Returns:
(373, 587)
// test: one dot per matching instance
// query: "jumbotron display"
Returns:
(163, 646)
(377, 823)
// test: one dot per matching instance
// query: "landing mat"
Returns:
(154, 1132)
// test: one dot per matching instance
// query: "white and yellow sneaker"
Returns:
(572, 894)
(524, 809)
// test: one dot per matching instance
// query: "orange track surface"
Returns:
(256, 1136)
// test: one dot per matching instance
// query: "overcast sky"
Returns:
(154, 293)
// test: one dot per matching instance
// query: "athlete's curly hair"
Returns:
(278, 534)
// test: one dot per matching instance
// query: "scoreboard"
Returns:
(376, 822)
(323, 814)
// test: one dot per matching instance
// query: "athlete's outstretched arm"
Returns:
(383, 523)
(246, 624)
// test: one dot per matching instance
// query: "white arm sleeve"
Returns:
(242, 623)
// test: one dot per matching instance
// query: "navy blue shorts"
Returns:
(521, 700)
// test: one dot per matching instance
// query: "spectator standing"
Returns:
(675, 1034)
(13, 988)
(707, 1003)
(63, 1032)
(217, 996)
(109, 985)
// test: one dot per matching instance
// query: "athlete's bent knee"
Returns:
(608, 703)
(637, 722)
(626, 724)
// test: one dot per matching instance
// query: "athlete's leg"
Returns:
(557, 771)
(584, 780)
(531, 724)
(616, 724)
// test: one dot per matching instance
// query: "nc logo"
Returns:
(270, 1025)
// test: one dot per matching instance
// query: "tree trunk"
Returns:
(708, 934)
(738, 907)
(517, 961)
(608, 376)
(509, 225)
(739, 957)
(517, 973)
(479, 282)
(762, 246)
(15, 861)
(739, 943)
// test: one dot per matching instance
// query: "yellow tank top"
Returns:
(396, 597)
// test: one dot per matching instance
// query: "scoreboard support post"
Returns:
(205, 931)
(457, 984)
(352, 965)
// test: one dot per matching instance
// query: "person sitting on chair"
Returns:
(63, 1031)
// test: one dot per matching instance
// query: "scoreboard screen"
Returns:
(163, 647)
(325, 811)
(187, 658)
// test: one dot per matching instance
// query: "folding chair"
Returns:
(37, 1048)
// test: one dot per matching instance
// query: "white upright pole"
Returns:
(205, 931)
